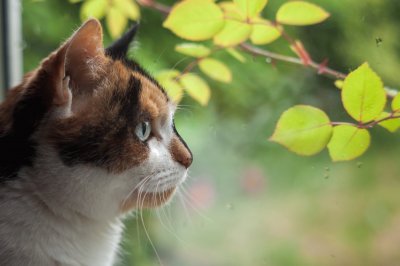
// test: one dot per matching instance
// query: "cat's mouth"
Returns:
(146, 200)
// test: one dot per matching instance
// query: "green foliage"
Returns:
(390, 124)
(304, 130)
(195, 20)
(215, 69)
(264, 33)
(196, 87)
(364, 99)
(363, 95)
(116, 12)
(396, 103)
(193, 49)
(348, 142)
(300, 13)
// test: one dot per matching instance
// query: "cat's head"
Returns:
(100, 130)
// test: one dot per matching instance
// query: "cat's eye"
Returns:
(143, 130)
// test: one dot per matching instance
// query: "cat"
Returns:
(86, 138)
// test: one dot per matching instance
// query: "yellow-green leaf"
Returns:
(129, 8)
(173, 89)
(167, 74)
(93, 9)
(363, 95)
(339, 84)
(233, 33)
(116, 22)
(193, 49)
(235, 54)
(301, 13)
(251, 7)
(167, 80)
(396, 103)
(232, 11)
(391, 124)
(348, 142)
(263, 32)
(195, 19)
(196, 87)
(303, 129)
(215, 69)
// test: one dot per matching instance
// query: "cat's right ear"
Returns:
(75, 67)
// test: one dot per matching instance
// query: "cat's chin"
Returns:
(146, 200)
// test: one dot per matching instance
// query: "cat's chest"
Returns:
(97, 246)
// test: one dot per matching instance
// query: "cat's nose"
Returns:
(181, 153)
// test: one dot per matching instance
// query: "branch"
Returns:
(321, 69)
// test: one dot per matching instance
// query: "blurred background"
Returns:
(249, 201)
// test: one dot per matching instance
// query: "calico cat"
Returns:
(85, 138)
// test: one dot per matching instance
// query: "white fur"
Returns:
(71, 215)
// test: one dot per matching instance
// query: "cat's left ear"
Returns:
(119, 49)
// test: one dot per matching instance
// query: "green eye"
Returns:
(143, 130)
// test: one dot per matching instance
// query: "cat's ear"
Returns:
(84, 58)
(120, 47)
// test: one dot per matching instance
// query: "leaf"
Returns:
(75, 1)
(251, 7)
(339, 84)
(301, 13)
(129, 8)
(167, 80)
(235, 54)
(396, 103)
(233, 33)
(232, 11)
(116, 22)
(195, 20)
(391, 124)
(215, 69)
(193, 49)
(303, 129)
(173, 89)
(263, 33)
(348, 142)
(93, 8)
(196, 87)
(363, 94)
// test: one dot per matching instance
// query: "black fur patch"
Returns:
(17, 149)
(102, 142)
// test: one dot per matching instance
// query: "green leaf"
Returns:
(251, 7)
(396, 103)
(75, 1)
(195, 20)
(363, 94)
(167, 80)
(215, 69)
(263, 32)
(129, 8)
(232, 11)
(303, 129)
(233, 33)
(196, 87)
(116, 22)
(391, 124)
(301, 13)
(193, 49)
(348, 142)
(235, 54)
(339, 84)
(93, 9)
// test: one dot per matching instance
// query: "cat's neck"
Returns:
(50, 236)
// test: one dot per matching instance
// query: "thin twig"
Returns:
(321, 69)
